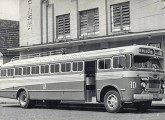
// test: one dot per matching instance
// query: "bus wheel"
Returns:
(24, 100)
(142, 106)
(52, 103)
(112, 101)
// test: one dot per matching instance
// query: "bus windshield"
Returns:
(145, 62)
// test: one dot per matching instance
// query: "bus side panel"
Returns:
(54, 86)
(58, 91)
(121, 83)
(8, 94)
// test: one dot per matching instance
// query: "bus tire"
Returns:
(51, 104)
(24, 100)
(142, 106)
(112, 101)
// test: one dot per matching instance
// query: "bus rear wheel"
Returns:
(142, 106)
(24, 100)
(112, 101)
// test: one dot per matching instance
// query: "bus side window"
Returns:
(42, 69)
(68, 67)
(115, 62)
(119, 61)
(28, 70)
(77, 66)
(65, 67)
(19, 71)
(16, 71)
(128, 61)
(35, 70)
(80, 66)
(52, 68)
(10, 72)
(57, 68)
(24, 71)
(101, 64)
(107, 63)
(3, 72)
(46, 68)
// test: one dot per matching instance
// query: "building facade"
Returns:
(84, 25)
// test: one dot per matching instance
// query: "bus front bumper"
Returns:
(149, 96)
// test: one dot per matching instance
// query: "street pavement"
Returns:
(8, 101)
(78, 112)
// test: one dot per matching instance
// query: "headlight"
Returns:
(143, 84)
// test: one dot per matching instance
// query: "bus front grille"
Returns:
(154, 84)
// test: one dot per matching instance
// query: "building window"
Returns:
(89, 22)
(63, 26)
(120, 14)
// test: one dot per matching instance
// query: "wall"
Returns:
(62, 7)
(100, 4)
(144, 15)
(30, 26)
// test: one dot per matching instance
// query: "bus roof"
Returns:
(134, 49)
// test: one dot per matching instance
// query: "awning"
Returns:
(110, 38)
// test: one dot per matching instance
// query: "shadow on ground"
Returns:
(95, 108)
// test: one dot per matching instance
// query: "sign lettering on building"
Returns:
(29, 15)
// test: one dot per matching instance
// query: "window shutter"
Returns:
(120, 16)
(63, 26)
(60, 25)
(125, 14)
(89, 22)
(67, 24)
(116, 15)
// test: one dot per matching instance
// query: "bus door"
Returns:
(90, 81)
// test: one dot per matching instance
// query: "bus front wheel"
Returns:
(112, 101)
(24, 100)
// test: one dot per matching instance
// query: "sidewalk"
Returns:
(8, 101)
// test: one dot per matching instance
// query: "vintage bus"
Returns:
(116, 76)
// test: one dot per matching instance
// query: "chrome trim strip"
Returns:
(122, 89)
(55, 90)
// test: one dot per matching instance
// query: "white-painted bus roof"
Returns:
(78, 56)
